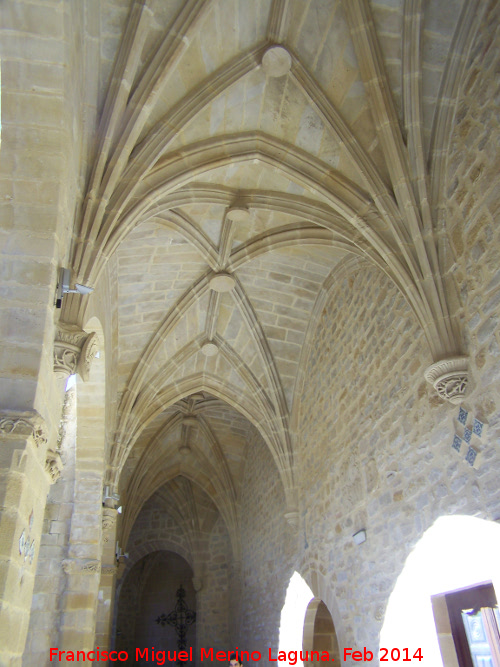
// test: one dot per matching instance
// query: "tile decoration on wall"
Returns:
(469, 431)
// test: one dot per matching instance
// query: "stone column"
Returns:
(50, 578)
(107, 584)
(82, 568)
(235, 579)
(23, 490)
(82, 565)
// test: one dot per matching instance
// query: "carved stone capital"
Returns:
(68, 346)
(89, 351)
(449, 378)
(78, 566)
(109, 517)
(74, 351)
(109, 569)
(24, 424)
(53, 465)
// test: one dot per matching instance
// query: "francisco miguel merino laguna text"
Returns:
(206, 654)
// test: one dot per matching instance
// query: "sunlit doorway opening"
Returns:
(306, 625)
(455, 553)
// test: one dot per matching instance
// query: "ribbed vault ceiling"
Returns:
(207, 164)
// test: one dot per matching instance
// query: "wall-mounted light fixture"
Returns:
(359, 537)
(120, 556)
(63, 287)
(108, 495)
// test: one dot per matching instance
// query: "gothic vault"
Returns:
(249, 307)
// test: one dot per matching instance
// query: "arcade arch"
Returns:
(456, 552)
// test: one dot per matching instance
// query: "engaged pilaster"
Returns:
(109, 570)
(23, 490)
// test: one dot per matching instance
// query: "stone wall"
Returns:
(374, 452)
(50, 580)
(374, 447)
(473, 204)
(267, 546)
(152, 526)
(213, 598)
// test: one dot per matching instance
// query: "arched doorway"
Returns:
(148, 594)
(319, 633)
(298, 596)
(304, 615)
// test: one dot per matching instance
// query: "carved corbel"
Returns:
(449, 378)
(24, 424)
(197, 583)
(53, 465)
(292, 518)
(74, 351)
(109, 517)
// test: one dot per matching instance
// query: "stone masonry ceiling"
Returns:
(247, 153)
(284, 215)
